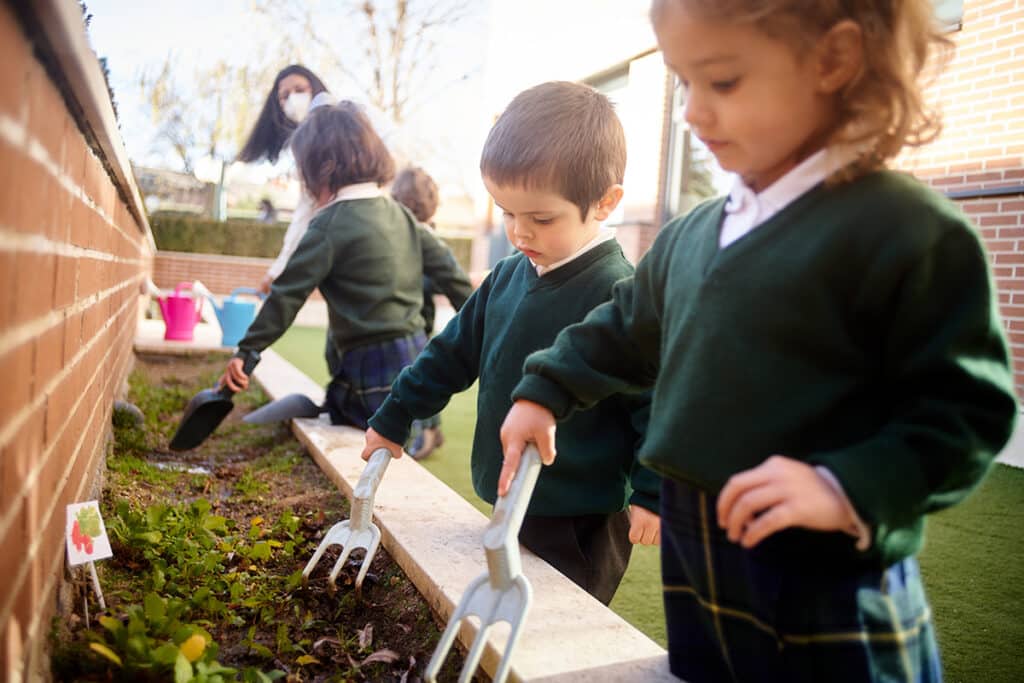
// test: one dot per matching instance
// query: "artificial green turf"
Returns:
(303, 347)
(973, 567)
(973, 560)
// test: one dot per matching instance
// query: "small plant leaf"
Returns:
(106, 652)
(182, 669)
(155, 607)
(307, 659)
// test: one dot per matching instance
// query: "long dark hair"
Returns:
(272, 127)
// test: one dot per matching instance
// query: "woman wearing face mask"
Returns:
(296, 90)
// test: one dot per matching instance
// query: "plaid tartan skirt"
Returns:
(761, 615)
(362, 378)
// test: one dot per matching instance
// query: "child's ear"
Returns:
(607, 203)
(840, 56)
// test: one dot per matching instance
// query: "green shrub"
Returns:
(181, 232)
(205, 236)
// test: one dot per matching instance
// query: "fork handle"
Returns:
(366, 488)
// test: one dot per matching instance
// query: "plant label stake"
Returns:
(86, 539)
(358, 531)
(503, 593)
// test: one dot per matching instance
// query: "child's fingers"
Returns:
(767, 523)
(737, 485)
(745, 509)
(509, 467)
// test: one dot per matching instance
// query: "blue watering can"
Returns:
(235, 316)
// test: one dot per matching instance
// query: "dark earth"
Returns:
(276, 504)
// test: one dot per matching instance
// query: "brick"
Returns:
(72, 337)
(49, 358)
(16, 369)
(34, 293)
(65, 278)
(78, 232)
(47, 114)
(28, 184)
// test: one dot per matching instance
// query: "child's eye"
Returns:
(543, 221)
(724, 86)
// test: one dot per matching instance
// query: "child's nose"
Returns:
(696, 111)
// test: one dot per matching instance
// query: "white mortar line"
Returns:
(36, 327)
(36, 243)
(17, 134)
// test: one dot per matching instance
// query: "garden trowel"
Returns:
(207, 410)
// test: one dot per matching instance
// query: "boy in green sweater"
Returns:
(553, 163)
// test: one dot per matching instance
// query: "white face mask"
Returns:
(297, 106)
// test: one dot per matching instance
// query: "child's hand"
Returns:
(265, 284)
(526, 421)
(375, 441)
(644, 526)
(777, 494)
(234, 377)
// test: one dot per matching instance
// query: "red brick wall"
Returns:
(220, 274)
(71, 262)
(981, 150)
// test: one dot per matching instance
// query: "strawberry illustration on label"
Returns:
(85, 527)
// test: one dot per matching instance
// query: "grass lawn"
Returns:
(973, 561)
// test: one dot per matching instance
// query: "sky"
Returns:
(138, 35)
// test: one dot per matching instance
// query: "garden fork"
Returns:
(358, 531)
(503, 593)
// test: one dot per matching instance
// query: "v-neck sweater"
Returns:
(368, 257)
(513, 313)
(856, 329)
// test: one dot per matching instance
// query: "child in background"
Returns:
(554, 163)
(824, 346)
(366, 254)
(416, 190)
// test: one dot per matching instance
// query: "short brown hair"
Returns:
(417, 191)
(882, 109)
(336, 146)
(558, 136)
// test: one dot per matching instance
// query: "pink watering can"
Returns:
(181, 313)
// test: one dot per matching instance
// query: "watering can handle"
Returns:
(247, 290)
(181, 286)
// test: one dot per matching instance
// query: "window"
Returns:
(691, 172)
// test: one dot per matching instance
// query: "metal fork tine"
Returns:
(503, 593)
(358, 531)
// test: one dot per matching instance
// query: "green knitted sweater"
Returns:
(856, 329)
(514, 313)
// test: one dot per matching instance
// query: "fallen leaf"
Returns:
(326, 641)
(386, 656)
(366, 636)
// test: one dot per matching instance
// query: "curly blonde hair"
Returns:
(882, 109)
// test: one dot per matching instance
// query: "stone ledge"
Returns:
(435, 537)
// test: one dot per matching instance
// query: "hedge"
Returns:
(205, 236)
(247, 238)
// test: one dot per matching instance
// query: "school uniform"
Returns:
(853, 327)
(367, 254)
(576, 519)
